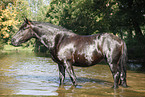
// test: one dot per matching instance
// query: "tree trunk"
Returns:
(129, 33)
(137, 29)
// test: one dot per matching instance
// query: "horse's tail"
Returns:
(124, 58)
(123, 64)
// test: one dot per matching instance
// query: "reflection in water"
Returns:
(65, 91)
(24, 73)
(71, 91)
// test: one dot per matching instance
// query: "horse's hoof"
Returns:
(115, 87)
(125, 86)
(75, 84)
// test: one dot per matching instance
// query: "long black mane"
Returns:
(60, 28)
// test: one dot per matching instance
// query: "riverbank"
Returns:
(17, 49)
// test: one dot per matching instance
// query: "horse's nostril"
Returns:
(13, 41)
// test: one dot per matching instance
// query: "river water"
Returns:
(24, 73)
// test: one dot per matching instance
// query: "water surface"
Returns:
(25, 73)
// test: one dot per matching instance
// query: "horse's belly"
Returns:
(86, 60)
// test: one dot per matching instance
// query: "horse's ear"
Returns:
(27, 21)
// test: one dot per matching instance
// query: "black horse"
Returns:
(69, 49)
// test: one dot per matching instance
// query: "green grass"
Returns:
(13, 48)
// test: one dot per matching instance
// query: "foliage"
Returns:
(91, 16)
(1, 43)
(6, 19)
(132, 14)
(38, 9)
(83, 16)
(10, 18)
(77, 15)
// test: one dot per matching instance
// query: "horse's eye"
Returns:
(25, 28)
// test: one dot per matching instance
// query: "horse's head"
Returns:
(24, 34)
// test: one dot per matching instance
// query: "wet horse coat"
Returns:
(69, 49)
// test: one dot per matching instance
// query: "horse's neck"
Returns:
(50, 37)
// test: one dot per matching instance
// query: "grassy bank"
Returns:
(13, 48)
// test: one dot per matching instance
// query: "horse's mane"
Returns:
(51, 25)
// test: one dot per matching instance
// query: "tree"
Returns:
(7, 14)
(81, 16)
(132, 14)
(38, 9)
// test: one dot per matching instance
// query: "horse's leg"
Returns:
(123, 77)
(116, 74)
(123, 69)
(61, 73)
(70, 71)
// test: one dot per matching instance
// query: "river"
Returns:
(25, 73)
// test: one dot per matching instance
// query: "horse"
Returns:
(68, 49)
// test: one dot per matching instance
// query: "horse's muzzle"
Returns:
(13, 41)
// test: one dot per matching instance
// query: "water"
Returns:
(24, 73)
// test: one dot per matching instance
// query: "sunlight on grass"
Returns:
(13, 48)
